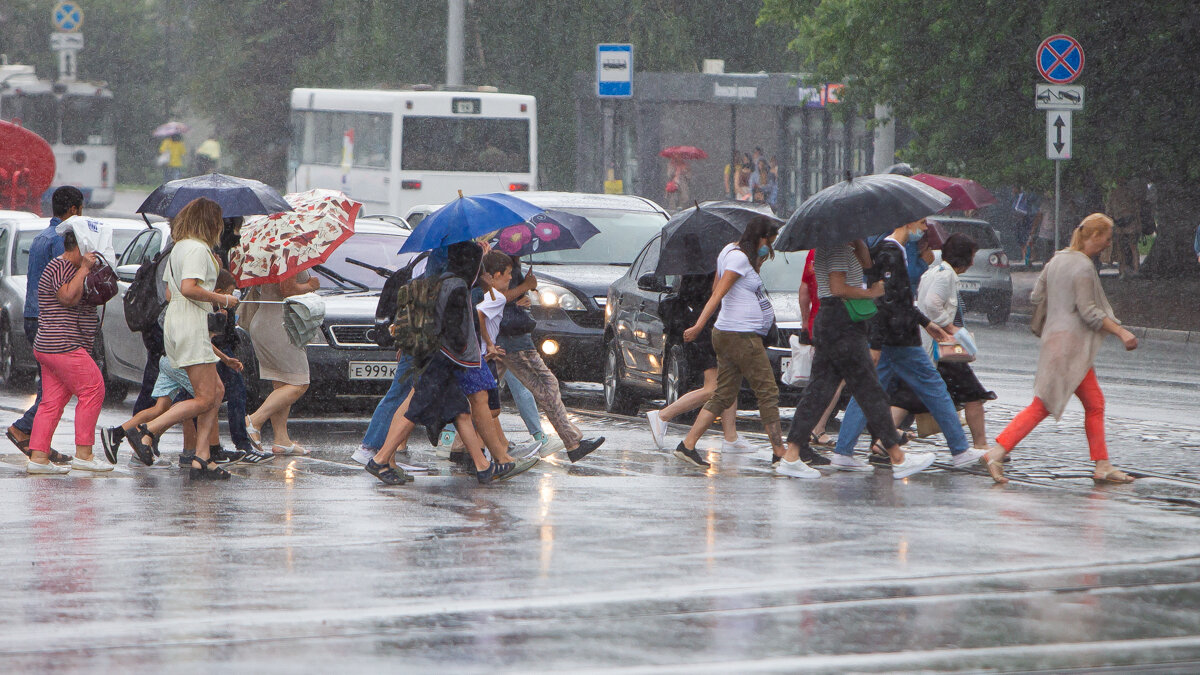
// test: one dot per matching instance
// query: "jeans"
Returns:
(912, 365)
(65, 375)
(235, 397)
(385, 410)
(526, 404)
(25, 424)
(153, 341)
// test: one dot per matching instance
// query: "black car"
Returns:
(569, 305)
(640, 362)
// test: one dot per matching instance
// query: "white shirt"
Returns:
(492, 308)
(746, 307)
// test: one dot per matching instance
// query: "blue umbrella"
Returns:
(468, 218)
(236, 196)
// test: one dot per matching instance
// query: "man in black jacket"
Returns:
(895, 331)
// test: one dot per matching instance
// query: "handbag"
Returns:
(860, 309)
(516, 320)
(952, 352)
(1038, 321)
(100, 284)
(799, 369)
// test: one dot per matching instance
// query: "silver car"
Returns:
(987, 286)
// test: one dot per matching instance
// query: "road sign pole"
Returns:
(1057, 203)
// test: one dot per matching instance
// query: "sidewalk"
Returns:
(1152, 309)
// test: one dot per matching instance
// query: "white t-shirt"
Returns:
(492, 308)
(746, 307)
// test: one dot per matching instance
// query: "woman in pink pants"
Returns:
(66, 330)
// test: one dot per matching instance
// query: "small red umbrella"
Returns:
(683, 152)
(965, 194)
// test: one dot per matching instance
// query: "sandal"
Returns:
(254, 435)
(289, 450)
(56, 457)
(995, 467)
(815, 439)
(145, 451)
(1114, 476)
(207, 471)
(388, 475)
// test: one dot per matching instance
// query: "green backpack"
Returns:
(417, 327)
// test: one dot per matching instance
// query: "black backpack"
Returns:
(142, 306)
(385, 310)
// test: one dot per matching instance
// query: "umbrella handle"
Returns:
(262, 302)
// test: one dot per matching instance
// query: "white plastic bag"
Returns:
(799, 368)
(964, 338)
(90, 234)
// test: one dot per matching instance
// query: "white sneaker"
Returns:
(967, 457)
(914, 462)
(135, 463)
(528, 450)
(50, 469)
(796, 469)
(741, 445)
(847, 463)
(658, 428)
(551, 445)
(363, 455)
(94, 464)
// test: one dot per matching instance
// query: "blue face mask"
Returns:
(763, 251)
(916, 236)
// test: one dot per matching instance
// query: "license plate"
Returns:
(968, 285)
(372, 370)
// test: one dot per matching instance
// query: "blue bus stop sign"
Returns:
(1060, 59)
(614, 70)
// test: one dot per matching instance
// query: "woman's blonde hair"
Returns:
(1089, 227)
(200, 219)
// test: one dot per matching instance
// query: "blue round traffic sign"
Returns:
(68, 16)
(1060, 59)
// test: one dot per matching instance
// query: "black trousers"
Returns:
(842, 354)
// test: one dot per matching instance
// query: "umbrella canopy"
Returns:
(281, 245)
(549, 231)
(965, 194)
(683, 152)
(692, 238)
(170, 129)
(236, 196)
(858, 208)
(468, 218)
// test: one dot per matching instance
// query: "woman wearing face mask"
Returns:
(744, 319)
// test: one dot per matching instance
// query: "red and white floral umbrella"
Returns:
(281, 245)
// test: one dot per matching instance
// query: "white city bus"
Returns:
(75, 118)
(394, 149)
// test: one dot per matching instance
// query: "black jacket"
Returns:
(898, 322)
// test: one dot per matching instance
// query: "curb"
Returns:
(1141, 332)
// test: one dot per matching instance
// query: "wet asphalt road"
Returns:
(628, 560)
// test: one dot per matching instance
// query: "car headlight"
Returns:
(319, 338)
(557, 296)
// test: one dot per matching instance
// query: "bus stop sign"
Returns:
(614, 71)
(1060, 59)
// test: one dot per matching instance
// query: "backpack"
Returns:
(385, 310)
(141, 301)
(417, 327)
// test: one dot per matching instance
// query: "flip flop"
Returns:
(295, 449)
(254, 435)
(995, 467)
(1114, 476)
(815, 439)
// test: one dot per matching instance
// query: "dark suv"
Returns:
(640, 362)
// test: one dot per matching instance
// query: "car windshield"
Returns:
(373, 248)
(982, 233)
(783, 274)
(622, 236)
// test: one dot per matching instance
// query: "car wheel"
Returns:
(7, 358)
(997, 315)
(617, 398)
(677, 380)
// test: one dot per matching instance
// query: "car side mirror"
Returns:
(649, 282)
(127, 272)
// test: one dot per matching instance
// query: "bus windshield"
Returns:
(477, 144)
(87, 120)
(35, 112)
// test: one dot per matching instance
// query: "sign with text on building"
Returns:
(1058, 134)
(614, 70)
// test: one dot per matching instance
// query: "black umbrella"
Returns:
(544, 232)
(858, 208)
(236, 196)
(692, 238)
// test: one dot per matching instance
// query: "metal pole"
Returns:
(454, 42)
(1057, 202)
(733, 154)
(607, 140)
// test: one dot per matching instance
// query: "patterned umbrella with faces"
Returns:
(281, 245)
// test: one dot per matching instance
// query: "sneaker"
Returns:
(35, 469)
(412, 468)
(111, 439)
(741, 445)
(95, 464)
(812, 458)
(690, 456)
(796, 469)
(658, 428)
(447, 438)
(461, 458)
(849, 463)
(967, 457)
(530, 449)
(363, 455)
(913, 462)
(494, 472)
(880, 459)
(160, 462)
(254, 456)
(550, 445)
(585, 448)
(220, 455)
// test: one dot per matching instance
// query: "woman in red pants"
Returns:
(1077, 316)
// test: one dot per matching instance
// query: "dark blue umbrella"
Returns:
(468, 218)
(549, 231)
(236, 196)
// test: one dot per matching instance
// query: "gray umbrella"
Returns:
(857, 208)
(302, 316)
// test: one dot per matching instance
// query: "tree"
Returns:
(960, 75)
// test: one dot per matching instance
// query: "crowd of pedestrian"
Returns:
(751, 177)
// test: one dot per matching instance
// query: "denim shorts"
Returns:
(475, 380)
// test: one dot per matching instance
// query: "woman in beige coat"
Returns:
(1077, 316)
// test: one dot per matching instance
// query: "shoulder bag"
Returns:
(860, 309)
(100, 284)
(1038, 321)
